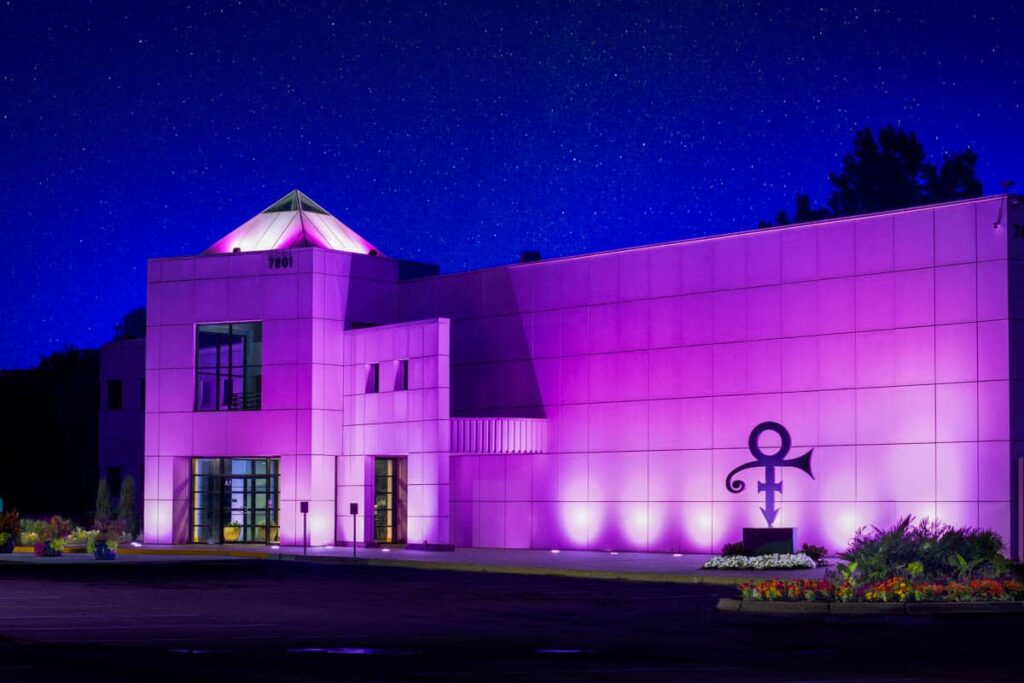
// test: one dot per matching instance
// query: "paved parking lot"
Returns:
(266, 620)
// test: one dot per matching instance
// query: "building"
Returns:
(122, 368)
(592, 402)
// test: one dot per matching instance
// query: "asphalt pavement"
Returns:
(274, 621)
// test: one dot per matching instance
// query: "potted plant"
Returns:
(10, 527)
(232, 532)
(103, 545)
(51, 537)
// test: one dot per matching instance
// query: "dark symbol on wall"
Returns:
(769, 462)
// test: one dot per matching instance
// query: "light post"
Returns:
(304, 509)
(353, 509)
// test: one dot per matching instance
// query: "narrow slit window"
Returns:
(402, 376)
(373, 379)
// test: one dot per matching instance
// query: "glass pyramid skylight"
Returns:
(291, 222)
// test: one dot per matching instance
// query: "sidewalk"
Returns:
(657, 567)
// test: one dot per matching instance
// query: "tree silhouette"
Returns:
(890, 172)
(132, 325)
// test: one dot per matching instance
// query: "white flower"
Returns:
(773, 561)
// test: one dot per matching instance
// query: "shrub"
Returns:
(815, 552)
(56, 529)
(80, 536)
(10, 523)
(126, 505)
(733, 549)
(104, 509)
(32, 530)
(926, 550)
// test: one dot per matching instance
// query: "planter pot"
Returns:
(232, 534)
(44, 549)
(103, 553)
(7, 547)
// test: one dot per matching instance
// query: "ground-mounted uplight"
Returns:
(135, 544)
(677, 554)
(385, 550)
(275, 547)
(613, 552)
(555, 551)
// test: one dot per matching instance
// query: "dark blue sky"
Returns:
(460, 133)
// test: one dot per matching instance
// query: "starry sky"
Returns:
(449, 132)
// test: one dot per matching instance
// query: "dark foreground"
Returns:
(273, 621)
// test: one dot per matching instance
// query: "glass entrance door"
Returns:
(389, 500)
(235, 500)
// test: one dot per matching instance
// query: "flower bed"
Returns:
(891, 590)
(761, 562)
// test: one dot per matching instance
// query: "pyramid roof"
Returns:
(292, 222)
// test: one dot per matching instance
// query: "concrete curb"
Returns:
(781, 608)
(602, 574)
(647, 577)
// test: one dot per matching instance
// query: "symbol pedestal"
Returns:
(766, 541)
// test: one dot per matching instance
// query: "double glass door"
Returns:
(235, 500)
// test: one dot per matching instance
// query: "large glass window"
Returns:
(235, 500)
(229, 362)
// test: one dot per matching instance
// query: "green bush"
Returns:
(928, 550)
(32, 530)
(815, 552)
(733, 549)
(126, 505)
(104, 509)
(56, 529)
(80, 536)
(10, 527)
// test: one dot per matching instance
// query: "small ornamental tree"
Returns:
(126, 506)
(104, 510)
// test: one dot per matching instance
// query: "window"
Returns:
(229, 367)
(402, 375)
(142, 394)
(373, 379)
(235, 500)
(115, 394)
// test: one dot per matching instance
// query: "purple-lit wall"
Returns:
(121, 430)
(599, 401)
(409, 423)
(882, 342)
(303, 308)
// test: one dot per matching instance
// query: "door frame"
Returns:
(273, 497)
(399, 497)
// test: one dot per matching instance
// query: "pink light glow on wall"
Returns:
(598, 402)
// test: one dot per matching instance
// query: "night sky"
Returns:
(453, 133)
